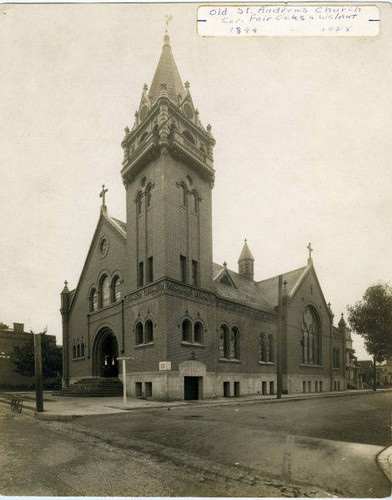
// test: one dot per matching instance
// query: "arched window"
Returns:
(74, 352)
(184, 195)
(198, 332)
(78, 351)
(224, 342)
(139, 334)
(93, 300)
(311, 336)
(105, 291)
(82, 350)
(139, 204)
(186, 331)
(236, 343)
(195, 202)
(262, 349)
(270, 348)
(189, 136)
(149, 331)
(116, 294)
(148, 195)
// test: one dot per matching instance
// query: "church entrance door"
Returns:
(105, 355)
(191, 388)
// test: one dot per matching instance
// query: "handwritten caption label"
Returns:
(288, 20)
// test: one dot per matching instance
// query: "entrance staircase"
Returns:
(93, 387)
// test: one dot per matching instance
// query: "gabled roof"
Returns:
(244, 291)
(269, 287)
(115, 224)
(167, 73)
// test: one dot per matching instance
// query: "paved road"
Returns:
(331, 443)
(48, 458)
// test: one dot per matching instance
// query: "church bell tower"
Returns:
(168, 175)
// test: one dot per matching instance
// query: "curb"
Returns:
(384, 461)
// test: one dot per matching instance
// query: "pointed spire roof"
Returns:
(167, 73)
(246, 253)
(342, 322)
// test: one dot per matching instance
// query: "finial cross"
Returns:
(309, 247)
(102, 194)
(168, 18)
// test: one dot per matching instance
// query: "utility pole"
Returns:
(279, 340)
(374, 374)
(124, 376)
(39, 395)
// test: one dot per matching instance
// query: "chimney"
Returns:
(18, 327)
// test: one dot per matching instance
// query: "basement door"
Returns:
(191, 388)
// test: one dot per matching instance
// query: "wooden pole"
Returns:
(39, 395)
(124, 374)
(374, 374)
(279, 341)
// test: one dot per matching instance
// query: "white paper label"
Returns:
(288, 20)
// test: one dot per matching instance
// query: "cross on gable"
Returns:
(309, 247)
(102, 194)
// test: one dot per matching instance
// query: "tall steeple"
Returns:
(246, 262)
(168, 74)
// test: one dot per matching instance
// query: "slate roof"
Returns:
(166, 72)
(246, 253)
(269, 287)
(245, 291)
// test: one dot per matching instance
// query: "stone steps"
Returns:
(93, 387)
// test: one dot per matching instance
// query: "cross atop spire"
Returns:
(309, 247)
(102, 194)
(168, 18)
(167, 72)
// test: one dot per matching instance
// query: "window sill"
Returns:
(224, 360)
(79, 359)
(192, 344)
(267, 363)
(305, 365)
(336, 368)
(147, 344)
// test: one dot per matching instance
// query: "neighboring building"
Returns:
(353, 379)
(366, 368)
(149, 291)
(10, 338)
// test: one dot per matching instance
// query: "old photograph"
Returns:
(196, 266)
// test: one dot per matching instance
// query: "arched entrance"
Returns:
(105, 352)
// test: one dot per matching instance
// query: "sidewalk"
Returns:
(67, 408)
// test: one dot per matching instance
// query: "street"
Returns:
(297, 448)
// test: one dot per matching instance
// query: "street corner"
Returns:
(384, 460)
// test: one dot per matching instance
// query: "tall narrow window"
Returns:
(198, 332)
(139, 204)
(224, 342)
(78, 351)
(149, 331)
(82, 350)
(116, 294)
(148, 195)
(311, 336)
(195, 273)
(150, 270)
(93, 300)
(139, 334)
(270, 348)
(184, 196)
(186, 331)
(105, 291)
(262, 349)
(183, 269)
(236, 343)
(140, 274)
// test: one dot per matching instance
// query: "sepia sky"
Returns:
(303, 152)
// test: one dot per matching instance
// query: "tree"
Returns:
(372, 319)
(23, 357)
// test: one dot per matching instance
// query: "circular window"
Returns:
(143, 113)
(188, 111)
(103, 246)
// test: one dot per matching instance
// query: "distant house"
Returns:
(366, 368)
(10, 338)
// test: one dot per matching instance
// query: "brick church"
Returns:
(149, 290)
